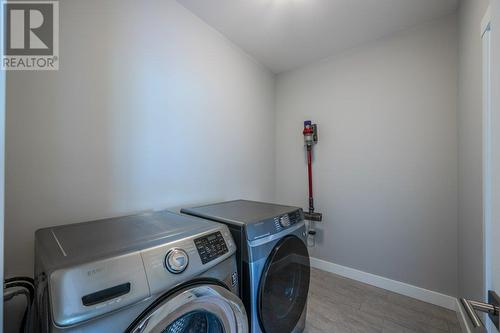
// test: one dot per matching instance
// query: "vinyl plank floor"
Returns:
(340, 305)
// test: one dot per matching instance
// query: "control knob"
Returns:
(176, 261)
(285, 221)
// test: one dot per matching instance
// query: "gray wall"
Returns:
(470, 217)
(386, 165)
(151, 108)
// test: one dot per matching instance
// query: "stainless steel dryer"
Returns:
(158, 272)
(273, 261)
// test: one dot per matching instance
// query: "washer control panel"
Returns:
(211, 247)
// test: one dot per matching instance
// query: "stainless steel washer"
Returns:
(273, 261)
(158, 272)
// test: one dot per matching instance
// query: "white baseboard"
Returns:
(462, 317)
(402, 288)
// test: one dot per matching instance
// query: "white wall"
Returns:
(151, 108)
(386, 164)
(470, 217)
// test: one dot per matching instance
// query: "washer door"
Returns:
(195, 308)
(284, 286)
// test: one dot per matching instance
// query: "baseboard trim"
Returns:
(462, 317)
(402, 288)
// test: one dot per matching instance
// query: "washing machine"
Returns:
(273, 261)
(156, 272)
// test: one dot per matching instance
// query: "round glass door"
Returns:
(197, 309)
(284, 286)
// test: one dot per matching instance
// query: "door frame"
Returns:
(491, 142)
(487, 147)
(493, 260)
(2, 165)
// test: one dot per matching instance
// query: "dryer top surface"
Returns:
(240, 212)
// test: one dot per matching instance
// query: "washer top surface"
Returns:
(239, 212)
(74, 243)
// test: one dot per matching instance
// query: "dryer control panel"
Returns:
(211, 247)
(287, 220)
(274, 225)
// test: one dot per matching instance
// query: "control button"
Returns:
(176, 261)
(234, 279)
(285, 221)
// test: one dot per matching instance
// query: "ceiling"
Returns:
(285, 34)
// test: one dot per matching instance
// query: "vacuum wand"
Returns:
(309, 174)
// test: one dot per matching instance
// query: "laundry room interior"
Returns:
(262, 166)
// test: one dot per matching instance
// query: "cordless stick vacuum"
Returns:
(310, 139)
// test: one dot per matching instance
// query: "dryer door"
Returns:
(284, 286)
(201, 307)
